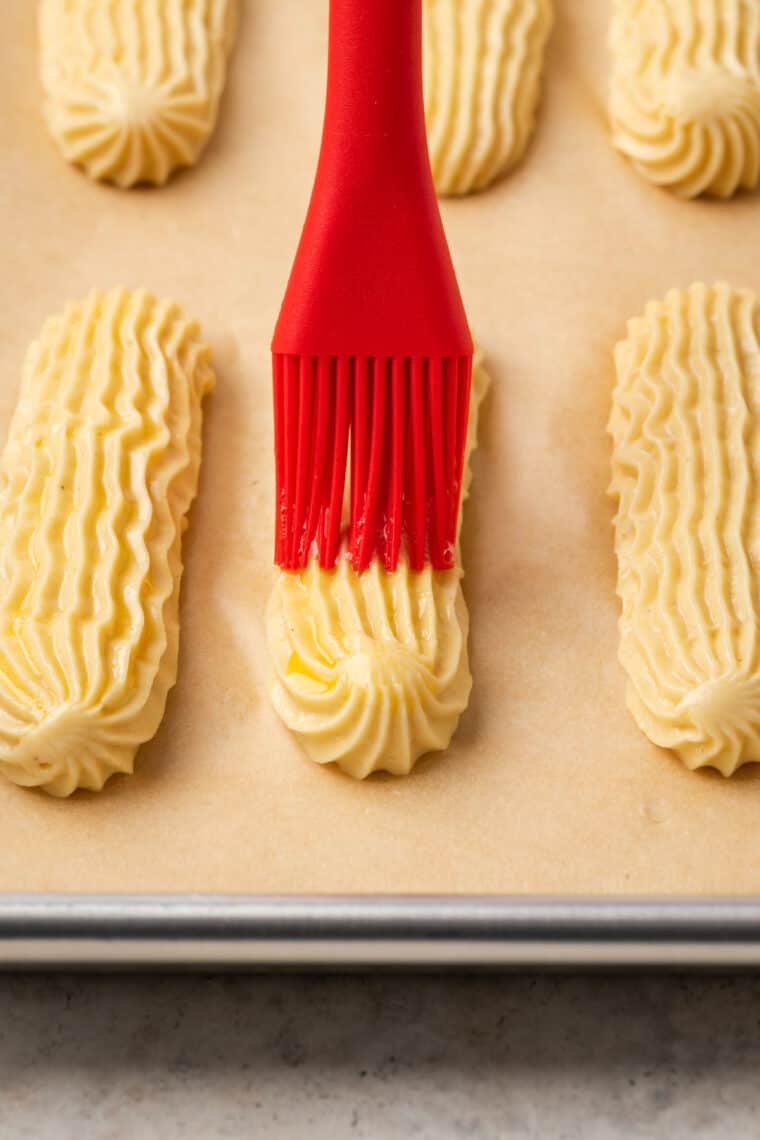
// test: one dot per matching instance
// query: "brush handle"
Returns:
(373, 275)
(374, 110)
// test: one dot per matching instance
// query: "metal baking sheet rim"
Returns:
(342, 932)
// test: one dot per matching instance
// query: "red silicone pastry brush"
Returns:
(372, 352)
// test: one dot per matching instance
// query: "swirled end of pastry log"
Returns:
(96, 480)
(685, 95)
(715, 725)
(685, 425)
(132, 88)
(371, 670)
(483, 64)
(68, 750)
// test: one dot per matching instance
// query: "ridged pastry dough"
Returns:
(96, 480)
(371, 670)
(685, 99)
(483, 64)
(686, 474)
(133, 86)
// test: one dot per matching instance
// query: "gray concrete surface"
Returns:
(386, 1057)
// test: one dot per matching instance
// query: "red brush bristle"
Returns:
(328, 550)
(415, 500)
(407, 425)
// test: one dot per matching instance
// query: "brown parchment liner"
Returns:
(549, 786)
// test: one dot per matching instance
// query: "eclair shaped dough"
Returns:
(685, 98)
(483, 61)
(686, 476)
(96, 480)
(132, 87)
(371, 670)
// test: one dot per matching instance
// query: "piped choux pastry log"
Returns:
(96, 480)
(132, 87)
(483, 67)
(685, 96)
(685, 426)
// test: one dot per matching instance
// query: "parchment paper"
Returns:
(549, 786)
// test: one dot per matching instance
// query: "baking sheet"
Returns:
(265, 931)
(548, 787)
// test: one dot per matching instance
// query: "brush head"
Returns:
(372, 340)
(407, 423)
